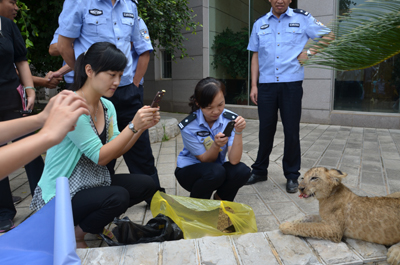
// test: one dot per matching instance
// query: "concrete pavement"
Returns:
(369, 156)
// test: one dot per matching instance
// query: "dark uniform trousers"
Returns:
(34, 171)
(202, 179)
(139, 159)
(287, 98)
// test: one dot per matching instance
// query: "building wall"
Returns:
(318, 84)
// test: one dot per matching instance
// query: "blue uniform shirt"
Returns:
(91, 21)
(279, 41)
(144, 44)
(68, 77)
(193, 136)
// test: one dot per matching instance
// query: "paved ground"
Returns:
(369, 156)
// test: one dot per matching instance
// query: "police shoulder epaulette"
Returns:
(230, 115)
(260, 17)
(187, 120)
(135, 1)
(301, 11)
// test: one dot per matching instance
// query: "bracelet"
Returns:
(30, 87)
(238, 132)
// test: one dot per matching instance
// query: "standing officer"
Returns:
(84, 22)
(277, 40)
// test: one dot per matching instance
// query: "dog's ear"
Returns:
(336, 175)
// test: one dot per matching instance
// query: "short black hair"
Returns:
(101, 56)
(205, 92)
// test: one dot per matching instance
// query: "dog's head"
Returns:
(319, 182)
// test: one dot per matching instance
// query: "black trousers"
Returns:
(287, 98)
(139, 159)
(96, 207)
(33, 170)
(202, 179)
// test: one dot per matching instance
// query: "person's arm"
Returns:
(236, 149)
(141, 68)
(212, 154)
(48, 81)
(145, 118)
(53, 51)
(65, 47)
(254, 77)
(59, 117)
(27, 81)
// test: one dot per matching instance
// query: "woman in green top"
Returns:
(85, 152)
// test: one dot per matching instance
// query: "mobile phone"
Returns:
(229, 128)
(157, 99)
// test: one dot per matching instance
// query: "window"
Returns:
(375, 89)
(166, 65)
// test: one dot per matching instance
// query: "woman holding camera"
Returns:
(83, 155)
(202, 167)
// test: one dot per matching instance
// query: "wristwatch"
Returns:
(132, 127)
(309, 54)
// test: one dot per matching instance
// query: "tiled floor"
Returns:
(369, 156)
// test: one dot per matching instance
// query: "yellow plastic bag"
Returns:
(198, 217)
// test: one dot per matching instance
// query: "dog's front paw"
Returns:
(393, 255)
(286, 228)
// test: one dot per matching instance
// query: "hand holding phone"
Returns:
(157, 99)
(229, 128)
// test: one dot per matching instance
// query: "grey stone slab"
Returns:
(254, 249)
(167, 159)
(216, 251)
(180, 252)
(167, 181)
(352, 151)
(106, 256)
(256, 203)
(372, 166)
(291, 249)
(22, 214)
(351, 160)
(266, 223)
(141, 254)
(372, 178)
(286, 211)
(370, 252)
(308, 162)
(270, 192)
(329, 162)
(329, 251)
(136, 213)
(333, 153)
(376, 190)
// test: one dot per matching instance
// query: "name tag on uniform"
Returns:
(208, 143)
(294, 25)
(265, 26)
(96, 12)
(203, 133)
(126, 14)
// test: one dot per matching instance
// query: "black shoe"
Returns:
(16, 199)
(256, 178)
(6, 225)
(292, 186)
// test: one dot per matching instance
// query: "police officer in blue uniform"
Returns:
(277, 42)
(201, 165)
(84, 22)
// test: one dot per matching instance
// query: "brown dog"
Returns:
(343, 213)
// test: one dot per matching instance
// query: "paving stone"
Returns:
(254, 249)
(371, 166)
(370, 252)
(270, 192)
(106, 256)
(291, 249)
(216, 251)
(167, 180)
(266, 223)
(141, 254)
(372, 178)
(180, 252)
(256, 203)
(329, 251)
(286, 211)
